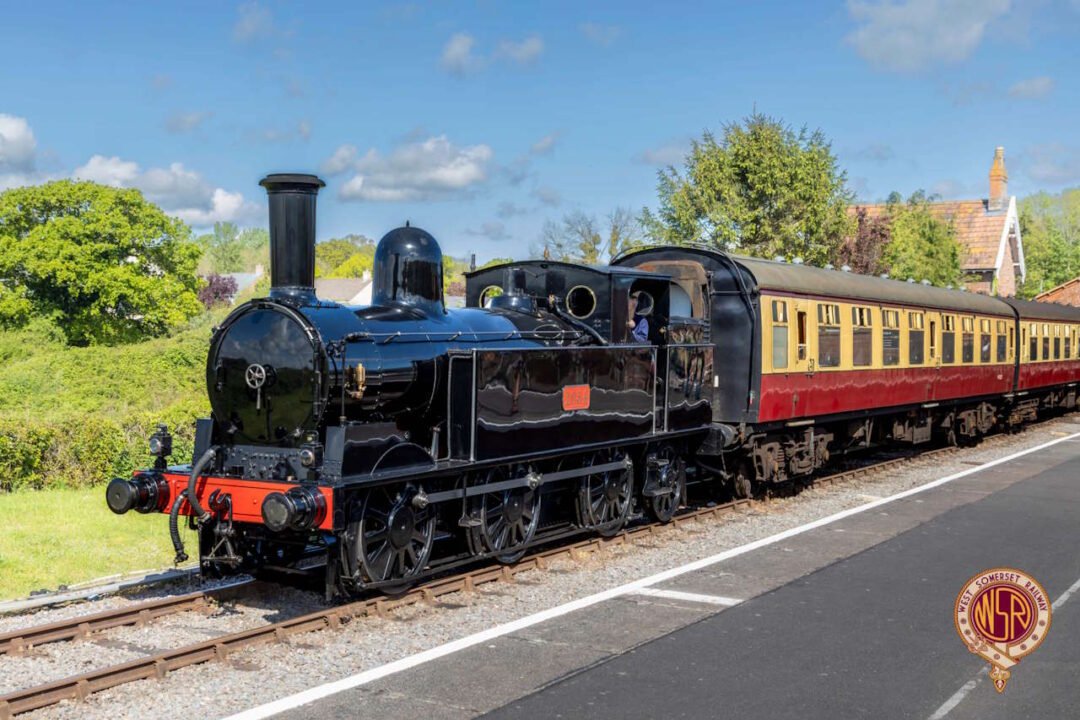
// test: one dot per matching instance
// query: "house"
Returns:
(1067, 293)
(988, 230)
(347, 291)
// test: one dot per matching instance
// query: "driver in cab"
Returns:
(640, 307)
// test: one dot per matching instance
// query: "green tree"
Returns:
(579, 237)
(332, 254)
(760, 189)
(224, 249)
(103, 263)
(354, 267)
(921, 246)
(1050, 228)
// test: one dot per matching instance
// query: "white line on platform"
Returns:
(959, 695)
(363, 678)
(689, 597)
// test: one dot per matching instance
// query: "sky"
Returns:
(480, 120)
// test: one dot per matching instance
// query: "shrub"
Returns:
(218, 290)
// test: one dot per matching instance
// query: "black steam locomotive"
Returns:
(385, 442)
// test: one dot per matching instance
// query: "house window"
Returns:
(862, 336)
(890, 337)
(779, 334)
(916, 338)
(967, 340)
(828, 335)
(948, 339)
(985, 341)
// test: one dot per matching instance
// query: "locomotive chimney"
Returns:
(292, 234)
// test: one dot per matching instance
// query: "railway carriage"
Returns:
(818, 362)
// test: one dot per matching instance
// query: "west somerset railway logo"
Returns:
(1002, 615)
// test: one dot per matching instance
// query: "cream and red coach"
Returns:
(812, 362)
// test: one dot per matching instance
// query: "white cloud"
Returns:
(108, 171)
(602, 35)
(184, 122)
(161, 81)
(427, 169)
(492, 230)
(545, 145)
(18, 147)
(548, 196)
(1032, 88)
(342, 159)
(303, 129)
(1052, 164)
(916, 34)
(254, 22)
(524, 52)
(457, 57)
(671, 153)
(879, 153)
(180, 192)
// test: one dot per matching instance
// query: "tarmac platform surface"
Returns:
(850, 619)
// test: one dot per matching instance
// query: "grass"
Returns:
(59, 537)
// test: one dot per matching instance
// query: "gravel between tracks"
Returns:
(260, 674)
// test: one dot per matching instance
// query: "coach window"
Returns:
(890, 337)
(862, 336)
(1012, 341)
(1033, 344)
(999, 338)
(1068, 342)
(948, 339)
(828, 317)
(915, 338)
(985, 340)
(1046, 341)
(1057, 342)
(967, 340)
(779, 334)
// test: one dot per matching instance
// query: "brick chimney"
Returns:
(999, 182)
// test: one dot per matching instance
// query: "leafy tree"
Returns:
(921, 246)
(102, 262)
(864, 250)
(495, 261)
(623, 233)
(224, 249)
(760, 189)
(218, 290)
(1050, 228)
(354, 267)
(332, 254)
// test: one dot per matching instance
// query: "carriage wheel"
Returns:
(508, 518)
(393, 538)
(604, 498)
(669, 475)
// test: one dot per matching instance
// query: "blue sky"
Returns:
(481, 120)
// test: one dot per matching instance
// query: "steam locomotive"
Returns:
(384, 443)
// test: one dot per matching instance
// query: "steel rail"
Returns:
(17, 642)
(79, 687)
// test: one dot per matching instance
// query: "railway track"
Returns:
(80, 687)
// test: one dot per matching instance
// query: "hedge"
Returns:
(76, 417)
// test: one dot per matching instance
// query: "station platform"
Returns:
(849, 619)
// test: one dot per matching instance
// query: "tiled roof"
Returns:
(978, 230)
(1050, 295)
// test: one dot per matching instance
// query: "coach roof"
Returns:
(771, 275)
(803, 279)
(1029, 310)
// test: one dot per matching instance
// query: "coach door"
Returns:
(805, 344)
(933, 352)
